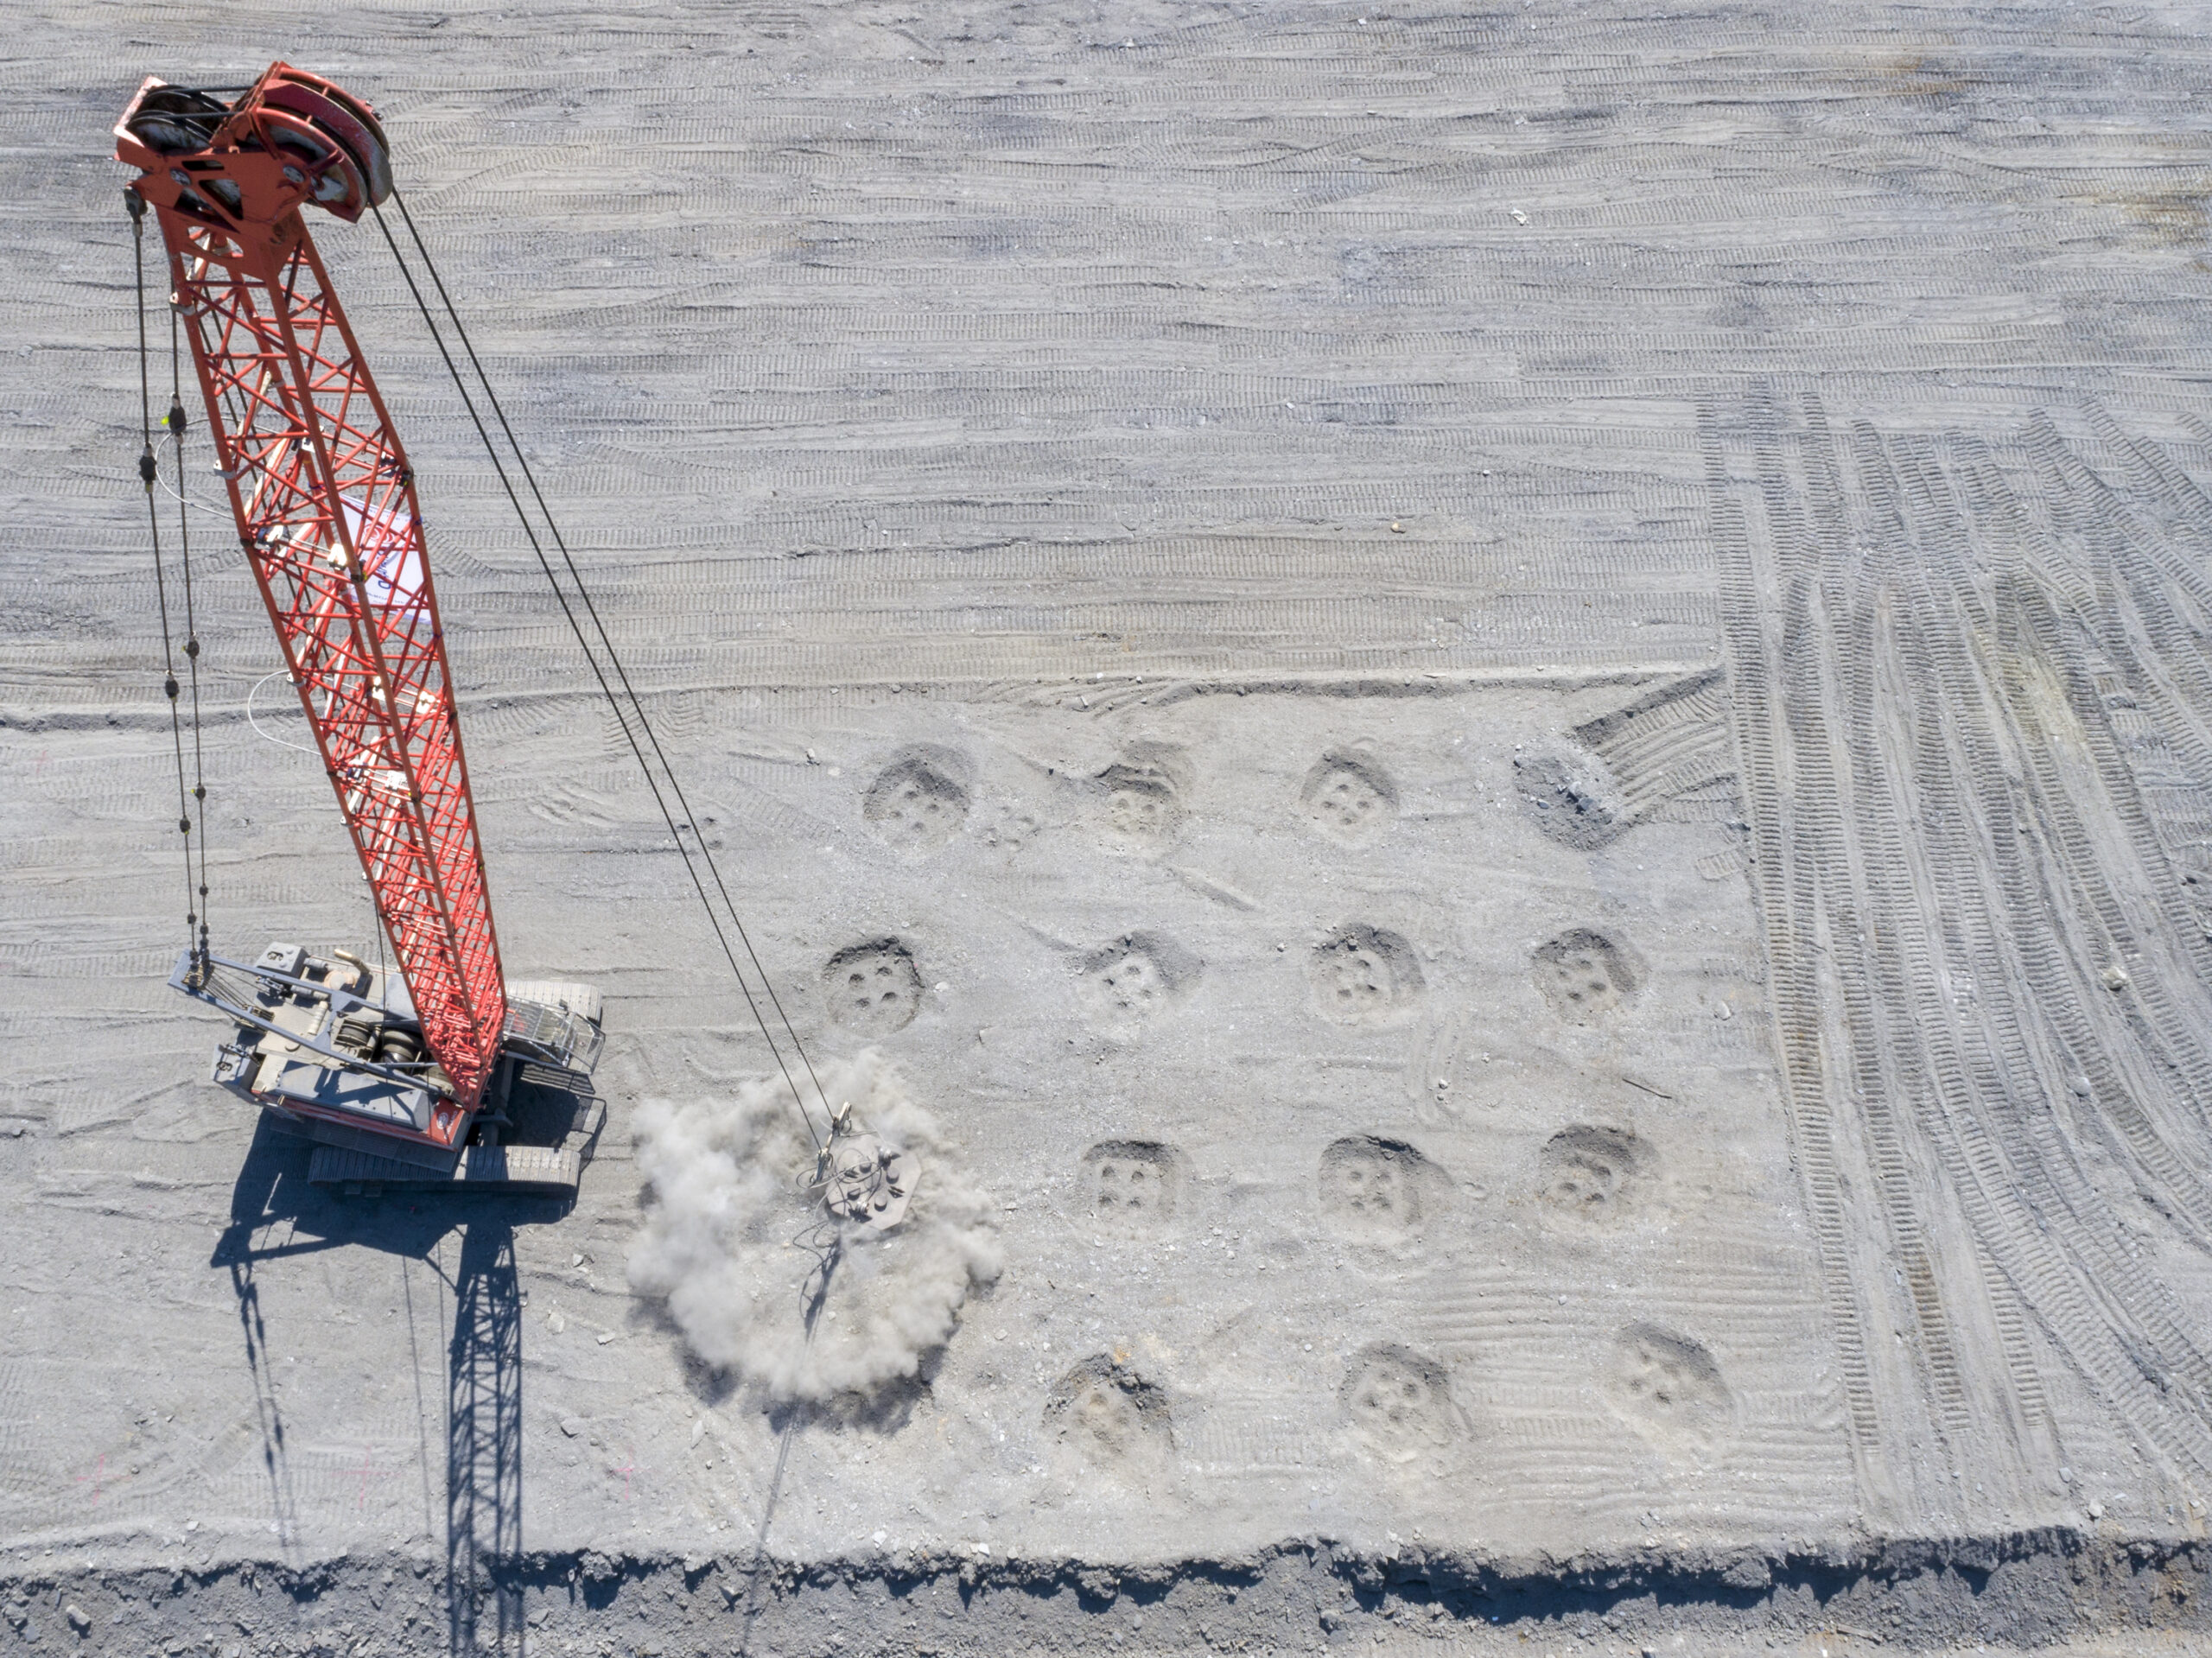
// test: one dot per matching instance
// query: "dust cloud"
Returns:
(729, 1200)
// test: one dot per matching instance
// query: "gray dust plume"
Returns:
(725, 1245)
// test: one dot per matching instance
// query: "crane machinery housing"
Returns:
(416, 1073)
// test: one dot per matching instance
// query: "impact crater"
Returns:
(1668, 1386)
(1349, 797)
(1142, 797)
(1571, 796)
(1111, 1418)
(1398, 1402)
(1132, 1185)
(1377, 1192)
(918, 802)
(1134, 979)
(1585, 976)
(1597, 1177)
(1364, 975)
(874, 988)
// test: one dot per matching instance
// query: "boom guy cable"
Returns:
(629, 709)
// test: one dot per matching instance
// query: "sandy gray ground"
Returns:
(1550, 662)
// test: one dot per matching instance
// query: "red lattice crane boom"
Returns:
(328, 516)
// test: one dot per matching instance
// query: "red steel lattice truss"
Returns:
(327, 515)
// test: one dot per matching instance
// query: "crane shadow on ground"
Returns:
(277, 1214)
(484, 1608)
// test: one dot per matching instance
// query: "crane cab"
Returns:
(330, 1046)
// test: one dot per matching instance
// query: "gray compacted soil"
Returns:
(1503, 715)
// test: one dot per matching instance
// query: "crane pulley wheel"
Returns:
(338, 117)
(176, 120)
(214, 160)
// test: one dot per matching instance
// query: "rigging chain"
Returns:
(175, 422)
(148, 472)
(635, 709)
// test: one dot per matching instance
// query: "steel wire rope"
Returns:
(591, 660)
(148, 470)
(814, 1289)
(223, 513)
(530, 477)
(270, 736)
(176, 423)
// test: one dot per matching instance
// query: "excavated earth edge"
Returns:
(2046, 1590)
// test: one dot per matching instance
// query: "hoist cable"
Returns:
(190, 505)
(177, 423)
(591, 658)
(148, 469)
(268, 736)
(614, 657)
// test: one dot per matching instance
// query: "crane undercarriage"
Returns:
(331, 1049)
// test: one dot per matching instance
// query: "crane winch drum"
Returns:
(395, 1073)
